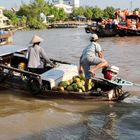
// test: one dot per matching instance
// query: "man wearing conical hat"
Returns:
(35, 54)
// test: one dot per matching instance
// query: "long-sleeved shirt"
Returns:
(34, 55)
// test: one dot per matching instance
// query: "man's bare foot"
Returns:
(92, 73)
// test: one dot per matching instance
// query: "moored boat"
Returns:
(5, 38)
(14, 76)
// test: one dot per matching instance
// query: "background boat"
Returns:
(5, 38)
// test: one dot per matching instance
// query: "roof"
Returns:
(133, 17)
(9, 49)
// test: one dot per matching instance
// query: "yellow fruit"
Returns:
(79, 84)
(76, 79)
(82, 76)
(90, 85)
(70, 81)
(80, 90)
(61, 88)
(83, 89)
(83, 82)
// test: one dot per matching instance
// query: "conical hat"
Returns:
(36, 39)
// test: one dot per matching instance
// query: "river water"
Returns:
(28, 118)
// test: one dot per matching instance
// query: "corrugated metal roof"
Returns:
(9, 49)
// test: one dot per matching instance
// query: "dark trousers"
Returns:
(36, 70)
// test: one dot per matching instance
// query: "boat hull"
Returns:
(118, 31)
(18, 84)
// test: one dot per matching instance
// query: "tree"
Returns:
(97, 13)
(78, 12)
(109, 12)
(61, 14)
(32, 12)
(12, 16)
(23, 21)
(88, 12)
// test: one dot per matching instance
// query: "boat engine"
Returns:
(110, 72)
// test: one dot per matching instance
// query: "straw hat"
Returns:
(36, 39)
(94, 37)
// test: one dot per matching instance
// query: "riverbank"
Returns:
(69, 24)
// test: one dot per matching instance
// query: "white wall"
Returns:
(74, 3)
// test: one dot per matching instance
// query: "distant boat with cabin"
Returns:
(123, 25)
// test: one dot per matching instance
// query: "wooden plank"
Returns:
(64, 62)
(26, 73)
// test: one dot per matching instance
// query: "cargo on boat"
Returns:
(14, 75)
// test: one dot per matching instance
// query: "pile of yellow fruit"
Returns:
(75, 84)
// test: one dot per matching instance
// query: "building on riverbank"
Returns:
(67, 5)
(3, 19)
(73, 3)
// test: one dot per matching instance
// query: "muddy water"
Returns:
(23, 117)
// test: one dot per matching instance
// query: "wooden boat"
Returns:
(101, 31)
(41, 84)
(122, 29)
(5, 38)
(131, 27)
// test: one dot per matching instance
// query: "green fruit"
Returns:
(75, 87)
(69, 88)
(63, 84)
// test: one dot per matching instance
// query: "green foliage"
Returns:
(137, 9)
(35, 8)
(109, 12)
(12, 16)
(97, 12)
(88, 13)
(30, 14)
(23, 20)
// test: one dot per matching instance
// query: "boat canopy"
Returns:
(9, 49)
(132, 17)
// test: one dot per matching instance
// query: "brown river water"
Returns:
(26, 118)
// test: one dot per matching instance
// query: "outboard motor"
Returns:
(110, 72)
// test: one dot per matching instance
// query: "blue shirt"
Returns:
(91, 50)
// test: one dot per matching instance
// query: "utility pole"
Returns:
(131, 6)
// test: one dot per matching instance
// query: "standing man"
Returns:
(92, 55)
(35, 54)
